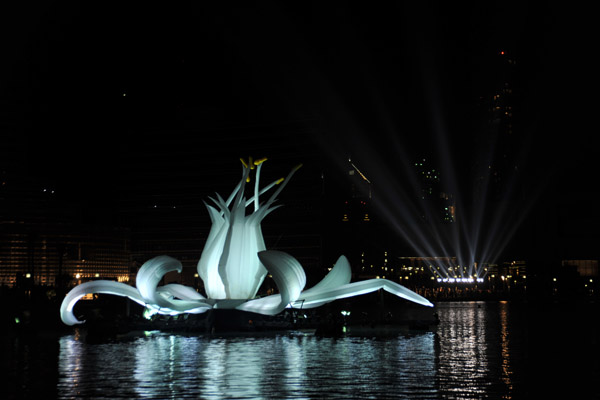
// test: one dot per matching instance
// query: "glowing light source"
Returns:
(149, 312)
(233, 265)
(460, 280)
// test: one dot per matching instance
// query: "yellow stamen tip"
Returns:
(244, 163)
(260, 161)
(279, 181)
(247, 179)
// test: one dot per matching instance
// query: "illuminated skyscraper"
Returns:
(44, 242)
(436, 205)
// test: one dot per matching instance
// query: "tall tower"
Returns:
(495, 169)
(436, 205)
(358, 198)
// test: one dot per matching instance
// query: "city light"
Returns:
(460, 280)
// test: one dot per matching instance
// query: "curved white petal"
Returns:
(260, 272)
(340, 274)
(405, 293)
(268, 305)
(150, 274)
(147, 294)
(289, 278)
(179, 298)
(182, 292)
(208, 265)
(239, 267)
(105, 287)
(319, 297)
(176, 306)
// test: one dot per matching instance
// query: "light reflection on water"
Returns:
(467, 356)
(474, 357)
(293, 366)
(478, 351)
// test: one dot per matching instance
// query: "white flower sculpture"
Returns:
(233, 265)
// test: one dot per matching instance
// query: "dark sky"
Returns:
(78, 78)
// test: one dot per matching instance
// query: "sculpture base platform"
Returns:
(361, 319)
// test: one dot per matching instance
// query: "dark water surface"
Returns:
(478, 351)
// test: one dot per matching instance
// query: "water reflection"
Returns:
(463, 362)
(294, 366)
(507, 370)
(28, 367)
(475, 352)
(165, 365)
(92, 371)
(479, 350)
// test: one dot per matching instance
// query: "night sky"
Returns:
(84, 83)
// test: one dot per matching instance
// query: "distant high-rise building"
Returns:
(49, 254)
(495, 157)
(44, 242)
(357, 197)
(349, 217)
(436, 205)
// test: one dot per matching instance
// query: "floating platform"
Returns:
(333, 320)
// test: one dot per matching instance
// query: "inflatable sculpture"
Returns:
(234, 264)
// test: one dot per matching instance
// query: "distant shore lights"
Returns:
(460, 280)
